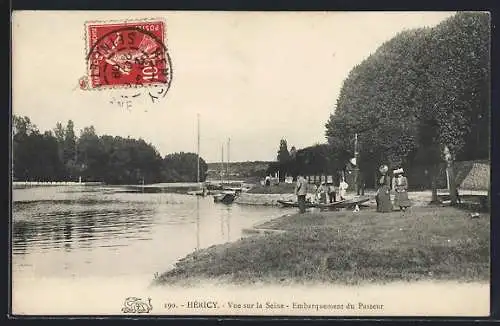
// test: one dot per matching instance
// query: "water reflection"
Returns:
(225, 223)
(67, 234)
(100, 231)
(65, 224)
(228, 218)
(197, 222)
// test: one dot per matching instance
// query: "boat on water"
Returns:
(348, 203)
(291, 203)
(228, 193)
(225, 197)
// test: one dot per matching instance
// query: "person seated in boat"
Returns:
(343, 189)
(321, 193)
(332, 195)
(314, 197)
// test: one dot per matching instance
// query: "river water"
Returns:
(98, 231)
(83, 249)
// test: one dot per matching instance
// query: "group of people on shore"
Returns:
(323, 192)
(328, 191)
(399, 185)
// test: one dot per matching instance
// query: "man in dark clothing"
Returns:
(331, 193)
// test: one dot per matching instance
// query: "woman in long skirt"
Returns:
(383, 196)
(401, 199)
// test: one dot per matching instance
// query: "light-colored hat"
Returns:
(353, 161)
(398, 171)
(383, 168)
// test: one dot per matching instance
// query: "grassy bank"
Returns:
(348, 247)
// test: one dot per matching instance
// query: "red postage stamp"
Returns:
(126, 54)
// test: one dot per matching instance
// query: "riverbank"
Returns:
(424, 243)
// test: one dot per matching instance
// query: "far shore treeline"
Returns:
(59, 155)
(420, 92)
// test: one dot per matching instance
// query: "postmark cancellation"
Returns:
(126, 54)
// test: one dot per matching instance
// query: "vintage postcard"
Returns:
(250, 163)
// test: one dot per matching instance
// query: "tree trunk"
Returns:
(356, 180)
(434, 175)
(453, 185)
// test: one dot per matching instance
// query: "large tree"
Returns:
(421, 92)
(35, 155)
(89, 153)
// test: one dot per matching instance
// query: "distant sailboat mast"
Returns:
(228, 159)
(198, 179)
(222, 166)
(198, 154)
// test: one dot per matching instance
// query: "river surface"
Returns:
(109, 231)
(83, 249)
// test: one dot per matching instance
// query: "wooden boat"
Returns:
(290, 203)
(339, 204)
(226, 197)
(354, 201)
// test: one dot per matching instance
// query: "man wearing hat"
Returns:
(401, 188)
(301, 192)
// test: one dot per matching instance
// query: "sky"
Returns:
(252, 77)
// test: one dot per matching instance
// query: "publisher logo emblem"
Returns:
(137, 305)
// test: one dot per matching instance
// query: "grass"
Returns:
(350, 248)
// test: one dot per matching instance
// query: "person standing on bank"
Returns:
(383, 197)
(401, 188)
(301, 192)
(332, 195)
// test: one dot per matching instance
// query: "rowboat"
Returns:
(290, 203)
(226, 197)
(339, 204)
(355, 201)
